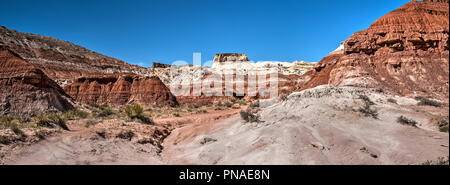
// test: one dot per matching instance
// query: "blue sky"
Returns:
(145, 31)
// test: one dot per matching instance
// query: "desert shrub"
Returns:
(235, 107)
(136, 111)
(42, 120)
(368, 111)
(443, 125)
(5, 140)
(254, 104)
(429, 102)
(249, 116)
(283, 97)
(194, 106)
(201, 111)
(8, 122)
(405, 121)
(41, 134)
(439, 161)
(50, 120)
(219, 104)
(392, 100)
(242, 102)
(228, 104)
(233, 100)
(58, 119)
(146, 120)
(418, 98)
(15, 128)
(101, 133)
(207, 140)
(176, 114)
(443, 128)
(91, 122)
(379, 90)
(105, 111)
(125, 134)
(76, 113)
(366, 100)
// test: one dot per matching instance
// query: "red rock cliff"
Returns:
(405, 51)
(26, 91)
(60, 60)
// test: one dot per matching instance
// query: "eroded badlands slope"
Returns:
(322, 125)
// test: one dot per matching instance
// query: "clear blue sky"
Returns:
(145, 31)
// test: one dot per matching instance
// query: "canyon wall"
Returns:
(26, 91)
(405, 52)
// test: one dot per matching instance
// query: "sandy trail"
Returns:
(82, 145)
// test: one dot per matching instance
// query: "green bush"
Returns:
(8, 122)
(42, 120)
(136, 111)
(50, 120)
(15, 128)
(443, 125)
(405, 121)
(242, 102)
(105, 111)
(58, 119)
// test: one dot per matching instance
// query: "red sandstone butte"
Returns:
(405, 51)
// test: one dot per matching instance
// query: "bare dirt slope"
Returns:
(83, 145)
(316, 126)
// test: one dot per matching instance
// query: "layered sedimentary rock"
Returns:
(26, 91)
(416, 27)
(120, 89)
(62, 61)
(405, 51)
(230, 57)
(159, 65)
